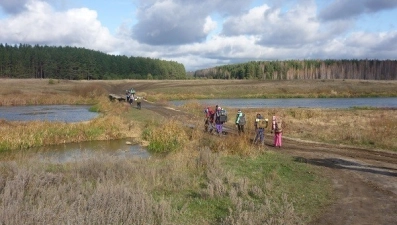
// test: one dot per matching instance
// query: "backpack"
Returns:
(278, 127)
(262, 123)
(241, 121)
(222, 114)
(276, 124)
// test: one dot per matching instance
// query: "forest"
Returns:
(304, 69)
(27, 61)
(73, 63)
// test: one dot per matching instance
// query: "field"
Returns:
(335, 166)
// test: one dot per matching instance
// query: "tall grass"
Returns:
(193, 186)
(374, 128)
(366, 127)
(166, 137)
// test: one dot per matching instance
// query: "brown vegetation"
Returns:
(205, 180)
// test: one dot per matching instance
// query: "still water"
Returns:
(72, 152)
(297, 102)
(60, 113)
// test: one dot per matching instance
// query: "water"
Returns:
(72, 152)
(60, 113)
(297, 102)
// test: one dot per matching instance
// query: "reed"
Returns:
(110, 125)
(193, 186)
(166, 137)
(372, 128)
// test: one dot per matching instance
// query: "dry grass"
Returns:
(17, 92)
(110, 125)
(200, 89)
(189, 187)
(366, 127)
(204, 180)
(374, 128)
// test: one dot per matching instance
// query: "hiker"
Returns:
(131, 99)
(220, 117)
(138, 102)
(209, 119)
(276, 128)
(128, 95)
(260, 125)
(240, 121)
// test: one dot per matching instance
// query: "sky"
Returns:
(207, 33)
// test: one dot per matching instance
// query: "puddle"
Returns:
(73, 152)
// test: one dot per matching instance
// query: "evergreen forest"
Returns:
(27, 61)
(73, 63)
(305, 69)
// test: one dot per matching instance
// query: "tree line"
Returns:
(27, 61)
(305, 69)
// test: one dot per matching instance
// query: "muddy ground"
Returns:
(364, 180)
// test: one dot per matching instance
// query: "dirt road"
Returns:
(365, 181)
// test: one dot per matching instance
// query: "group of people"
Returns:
(214, 120)
(130, 95)
(262, 123)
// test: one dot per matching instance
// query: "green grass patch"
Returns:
(304, 187)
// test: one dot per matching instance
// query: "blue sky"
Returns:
(208, 33)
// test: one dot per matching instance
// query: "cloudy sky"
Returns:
(206, 33)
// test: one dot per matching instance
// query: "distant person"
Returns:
(276, 128)
(260, 125)
(127, 95)
(209, 120)
(131, 99)
(139, 102)
(240, 121)
(219, 119)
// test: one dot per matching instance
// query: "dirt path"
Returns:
(365, 181)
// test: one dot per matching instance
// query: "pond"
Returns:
(59, 113)
(72, 152)
(297, 102)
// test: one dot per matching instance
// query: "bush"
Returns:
(168, 137)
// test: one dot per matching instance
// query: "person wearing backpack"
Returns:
(139, 102)
(218, 120)
(260, 125)
(276, 128)
(240, 121)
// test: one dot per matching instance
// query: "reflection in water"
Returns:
(85, 150)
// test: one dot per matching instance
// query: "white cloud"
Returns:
(209, 25)
(40, 24)
(207, 33)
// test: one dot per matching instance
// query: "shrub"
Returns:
(168, 137)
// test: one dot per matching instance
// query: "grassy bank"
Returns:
(195, 178)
